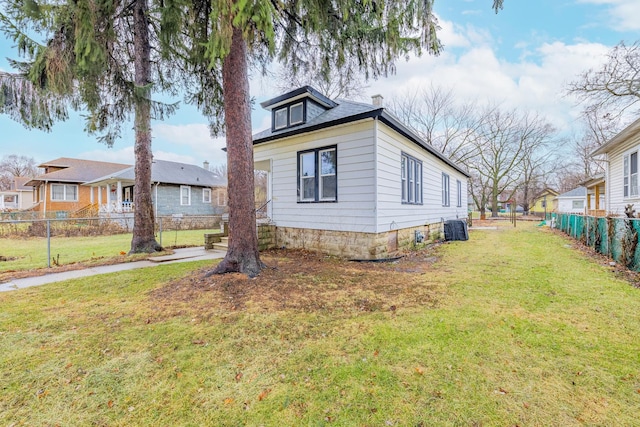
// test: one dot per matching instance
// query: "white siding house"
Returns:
(349, 179)
(573, 201)
(621, 153)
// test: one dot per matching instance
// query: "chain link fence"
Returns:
(614, 237)
(36, 243)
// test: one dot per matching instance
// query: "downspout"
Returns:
(375, 174)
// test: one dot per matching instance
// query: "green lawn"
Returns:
(31, 253)
(523, 330)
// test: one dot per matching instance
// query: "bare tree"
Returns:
(504, 142)
(615, 87)
(14, 165)
(343, 83)
(436, 116)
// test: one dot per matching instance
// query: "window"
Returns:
(296, 112)
(578, 204)
(64, 193)
(459, 185)
(206, 195)
(411, 179)
(185, 195)
(280, 117)
(222, 198)
(318, 175)
(630, 175)
(445, 189)
(290, 115)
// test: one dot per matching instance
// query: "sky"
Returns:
(523, 57)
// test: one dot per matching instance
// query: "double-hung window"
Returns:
(411, 179)
(445, 190)
(318, 175)
(185, 195)
(206, 195)
(64, 192)
(631, 175)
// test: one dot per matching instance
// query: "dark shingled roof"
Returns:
(167, 172)
(350, 111)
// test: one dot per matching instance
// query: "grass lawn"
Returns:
(28, 254)
(513, 327)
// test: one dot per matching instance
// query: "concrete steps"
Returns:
(222, 245)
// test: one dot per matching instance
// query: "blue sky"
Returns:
(522, 58)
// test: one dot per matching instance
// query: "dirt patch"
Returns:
(305, 281)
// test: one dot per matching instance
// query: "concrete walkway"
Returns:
(179, 255)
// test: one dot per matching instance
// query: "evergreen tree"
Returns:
(97, 58)
(323, 35)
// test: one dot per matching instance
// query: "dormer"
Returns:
(296, 108)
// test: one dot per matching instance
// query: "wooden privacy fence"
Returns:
(616, 238)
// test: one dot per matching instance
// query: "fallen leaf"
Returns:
(376, 353)
(228, 401)
(123, 253)
(238, 376)
(198, 342)
(419, 370)
(110, 404)
(264, 394)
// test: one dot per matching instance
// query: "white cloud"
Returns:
(623, 13)
(536, 82)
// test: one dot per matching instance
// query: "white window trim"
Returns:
(291, 122)
(222, 195)
(632, 191)
(411, 176)
(64, 193)
(188, 190)
(206, 195)
(286, 117)
(446, 190)
(459, 185)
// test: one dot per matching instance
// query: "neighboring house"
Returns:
(544, 202)
(350, 179)
(595, 195)
(573, 201)
(61, 189)
(176, 189)
(18, 197)
(621, 184)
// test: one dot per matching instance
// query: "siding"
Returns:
(168, 202)
(392, 214)
(615, 178)
(355, 209)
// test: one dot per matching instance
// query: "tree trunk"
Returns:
(143, 217)
(242, 255)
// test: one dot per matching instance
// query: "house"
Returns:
(61, 189)
(18, 197)
(176, 189)
(621, 186)
(544, 202)
(595, 195)
(573, 201)
(350, 179)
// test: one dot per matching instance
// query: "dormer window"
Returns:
(289, 115)
(296, 114)
(280, 118)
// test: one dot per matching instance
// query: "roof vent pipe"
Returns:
(377, 100)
